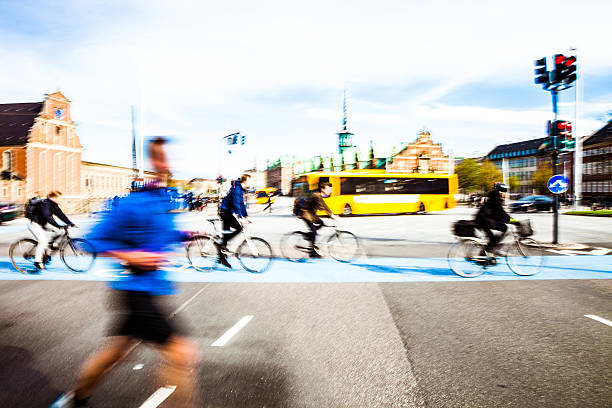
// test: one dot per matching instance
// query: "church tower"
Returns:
(345, 137)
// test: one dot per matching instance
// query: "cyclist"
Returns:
(139, 233)
(308, 214)
(492, 216)
(44, 227)
(231, 207)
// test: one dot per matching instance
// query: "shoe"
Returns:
(46, 260)
(223, 261)
(314, 254)
(67, 400)
(39, 266)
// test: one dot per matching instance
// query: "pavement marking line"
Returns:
(158, 397)
(184, 305)
(221, 341)
(599, 319)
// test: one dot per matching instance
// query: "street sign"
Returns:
(558, 184)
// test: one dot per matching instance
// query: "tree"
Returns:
(514, 182)
(540, 178)
(489, 175)
(356, 160)
(468, 172)
(371, 164)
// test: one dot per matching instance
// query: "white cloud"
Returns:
(191, 60)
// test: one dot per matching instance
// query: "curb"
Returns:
(566, 246)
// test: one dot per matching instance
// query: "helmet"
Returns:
(501, 187)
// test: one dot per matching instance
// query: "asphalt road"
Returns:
(469, 344)
(510, 343)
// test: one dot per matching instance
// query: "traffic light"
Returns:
(235, 138)
(540, 72)
(242, 139)
(558, 72)
(564, 135)
(569, 73)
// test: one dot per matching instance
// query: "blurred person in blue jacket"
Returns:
(139, 233)
(232, 208)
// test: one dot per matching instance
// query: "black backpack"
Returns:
(32, 208)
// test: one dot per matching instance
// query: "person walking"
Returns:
(138, 234)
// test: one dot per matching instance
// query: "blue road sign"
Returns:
(558, 184)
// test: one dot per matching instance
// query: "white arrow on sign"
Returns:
(559, 183)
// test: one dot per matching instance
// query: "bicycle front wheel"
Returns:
(202, 253)
(524, 257)
(467, 258)
(295, 246)
(343, 246)
(78, 255)
(255, 255)
(22, 255)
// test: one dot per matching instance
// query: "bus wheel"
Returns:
(347, 211)
(422, 208)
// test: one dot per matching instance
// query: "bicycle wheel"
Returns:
(22, 255)
(255, 255)
(295, 246)
(343, 246)
(202, 253)
(467, 258)
(524, 257)
(78, 255)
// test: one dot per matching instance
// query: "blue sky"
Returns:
(276, 70)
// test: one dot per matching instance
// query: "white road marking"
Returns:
(184, 305)
(599, 319)
(599, 251)
(158, 397)
(221, 341)
(138, 367)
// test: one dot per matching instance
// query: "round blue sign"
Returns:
(558, 184)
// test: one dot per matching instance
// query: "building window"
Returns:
(57, 130)
(7, 160)
(4, 192)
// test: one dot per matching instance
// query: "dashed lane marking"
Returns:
(599, 319)
(158, 397)
(221, 341)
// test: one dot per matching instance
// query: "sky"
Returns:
(276, 72)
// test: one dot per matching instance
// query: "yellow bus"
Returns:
(261, 196)
(378, 192)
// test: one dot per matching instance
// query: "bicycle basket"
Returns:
(464, 228)
(524, 228)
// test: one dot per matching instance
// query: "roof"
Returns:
(16, 120)
(524, 148)
(602, 135)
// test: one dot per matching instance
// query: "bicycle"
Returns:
(77, 254)
(253, 253)
(343, 246)
(469, 258)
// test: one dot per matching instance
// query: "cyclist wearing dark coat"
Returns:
(492, 216)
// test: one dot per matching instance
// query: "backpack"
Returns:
(298, 205)
(32, 208)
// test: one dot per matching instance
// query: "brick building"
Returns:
(422, 156)
(41, 152)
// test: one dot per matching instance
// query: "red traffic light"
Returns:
(569, 61)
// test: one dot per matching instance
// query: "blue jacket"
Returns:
(234, 200)
(140, 221)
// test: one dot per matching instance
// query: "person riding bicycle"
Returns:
(308, 214)
(231, 207)
(44, 227)
(492, 216)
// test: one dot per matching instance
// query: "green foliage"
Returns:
(489, 175)
(541, 177)
(514, 182)
(468, 172)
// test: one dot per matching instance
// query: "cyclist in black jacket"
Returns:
(492, 216)
(43, 225)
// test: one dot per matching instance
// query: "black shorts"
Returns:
(142, 316)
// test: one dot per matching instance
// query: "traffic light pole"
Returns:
(554, 160)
